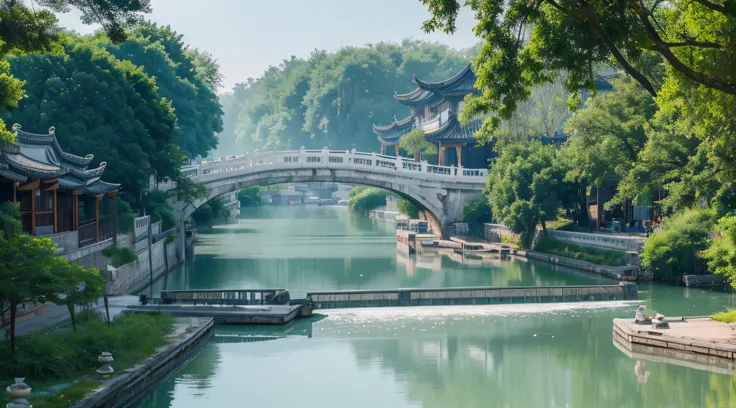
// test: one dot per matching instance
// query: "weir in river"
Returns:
(408, 357)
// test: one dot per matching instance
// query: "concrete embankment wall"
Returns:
(150, 264)
(134, 385)
(472, 296)
(614, 272)
(135, 276)
(605, 241)
(89, 256)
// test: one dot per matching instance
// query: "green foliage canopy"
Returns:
(408, 208)
(366, 200)
(75, 285)
(721, 252)
(415, 144)
(331, 99)
(526, 187)
(673, 251)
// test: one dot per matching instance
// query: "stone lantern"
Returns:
(18, 392)
(105, 370)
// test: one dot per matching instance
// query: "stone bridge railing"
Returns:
(328, 159)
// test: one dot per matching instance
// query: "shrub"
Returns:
(725, 317)
(125, 216)
(408, 208)
(721, 252)
(597, 256)
(62, 353)
(475, 214)
(119, 256)
(368, 199)
(674, 250)
(250, 197)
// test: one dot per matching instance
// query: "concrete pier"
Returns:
(698, 339)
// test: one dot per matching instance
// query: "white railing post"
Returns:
(374, 160)
(424, 166)
(350, 157)
(325, 156)
(398, 163)
(302, 157)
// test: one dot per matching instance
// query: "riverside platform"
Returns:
(697, 339)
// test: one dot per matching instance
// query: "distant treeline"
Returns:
(331, 98)
(143, 105)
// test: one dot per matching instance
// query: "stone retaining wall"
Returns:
(697, 281)
(89, 256)
(66, 241)
(605, 241)
(136, 383)
(133, 277)
(615, 272)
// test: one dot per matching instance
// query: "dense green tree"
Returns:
(332, 99)
(24, 30)
(100, 105)
(696, 38)
(526, 188)
(250, 197)
(721, 251)
(158, 208)
(606, 136)
(75, 285)
(674, 250)
(25, 273)
(366, 200)
(415, 144)
(211, 213)
(187, 78)
(408, 208)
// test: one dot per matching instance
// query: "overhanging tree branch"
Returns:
(591, 16)
(664, 49)
(713, 6)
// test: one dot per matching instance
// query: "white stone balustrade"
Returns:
(327, 159)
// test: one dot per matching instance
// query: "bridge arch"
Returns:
(440, 190)
(271, 177)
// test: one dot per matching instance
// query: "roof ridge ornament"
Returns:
(16, 127)
(52, 130)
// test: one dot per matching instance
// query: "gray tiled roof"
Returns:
(38, 156)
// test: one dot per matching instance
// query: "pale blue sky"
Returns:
(247, 36)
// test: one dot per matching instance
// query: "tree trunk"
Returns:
(587, 208)
(544, 228)
(107, 308)
(13, 309)
(70, 307)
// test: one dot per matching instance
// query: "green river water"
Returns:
(543, 355)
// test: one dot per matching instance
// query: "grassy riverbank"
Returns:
(61, 356)
(597, 256)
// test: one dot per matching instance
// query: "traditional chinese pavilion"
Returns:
(434, 109)
(56, 190)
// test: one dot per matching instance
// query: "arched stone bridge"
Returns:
(440, 190)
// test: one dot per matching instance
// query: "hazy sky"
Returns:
(247, 36)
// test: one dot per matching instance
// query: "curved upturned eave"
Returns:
(465, 79)
(453, 131)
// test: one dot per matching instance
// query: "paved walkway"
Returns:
(53, 315)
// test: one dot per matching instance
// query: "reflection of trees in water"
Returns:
(509, 366)
(197, 374)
